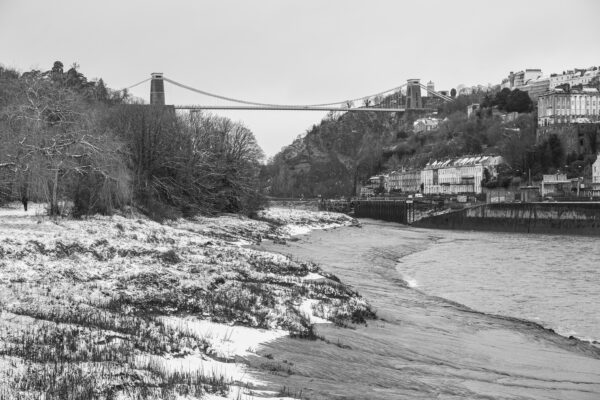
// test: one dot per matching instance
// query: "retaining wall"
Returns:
(386, 210)
(567, 218)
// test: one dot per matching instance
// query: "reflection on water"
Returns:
(553, 280)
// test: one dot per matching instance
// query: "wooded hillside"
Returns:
(333, 157)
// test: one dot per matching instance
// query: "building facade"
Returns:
(463, 175)
(410, 181)
(574, 77)
(405, 181)
(596, 171)
(574, 106)
(536, 87)
(517, 80)
(557, 185)
(425, 125)
(393, 181)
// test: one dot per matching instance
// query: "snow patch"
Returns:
(16, 210)
(242, 393)
(226, 341)
(312, 276)
(300, 222)
(198, 362)
(306, 308)
(295, 230)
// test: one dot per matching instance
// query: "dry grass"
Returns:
(81, 303)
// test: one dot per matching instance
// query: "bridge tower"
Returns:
(157, 89)
(413, 94)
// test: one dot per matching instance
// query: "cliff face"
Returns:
(303, 153)
(575, 138)
(333, 157)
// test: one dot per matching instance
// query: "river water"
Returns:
(552, 280)
(460, 315)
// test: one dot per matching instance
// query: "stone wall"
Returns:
(557, 218)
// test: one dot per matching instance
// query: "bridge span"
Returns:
(293, 108)
(398, 99)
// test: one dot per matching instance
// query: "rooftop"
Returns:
(465, 161)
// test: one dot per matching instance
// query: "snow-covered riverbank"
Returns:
(130, 307)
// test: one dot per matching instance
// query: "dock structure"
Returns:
(401, 211)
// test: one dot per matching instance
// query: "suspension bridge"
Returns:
(398, 99)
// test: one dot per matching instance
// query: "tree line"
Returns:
(84, 148)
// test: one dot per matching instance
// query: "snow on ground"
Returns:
(311, 276)
(295, 222)
(307, 308)
(17, 210)
(241, 393)
(296, 230)
(184, 301)
(197, 361)
(225, 340)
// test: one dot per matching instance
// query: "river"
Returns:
(553, 280)
(460, 315)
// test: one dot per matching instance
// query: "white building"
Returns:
(405, 181)
(557, 185)
(574, 77)
(561, 107)
(517, 80)
(386, 182)
(425, 125)
(366, 191)
(393, 181)
(410, 181)
(536, 87)
(461, 175)
(596, 171)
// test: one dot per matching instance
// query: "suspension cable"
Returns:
(137, 84)
(442, 96)
(276, 105)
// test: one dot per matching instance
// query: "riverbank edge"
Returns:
(540, 218)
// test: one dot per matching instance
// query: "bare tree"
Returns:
(55, 140)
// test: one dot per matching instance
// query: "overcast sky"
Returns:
(298, 52)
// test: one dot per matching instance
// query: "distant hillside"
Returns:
(335, 156)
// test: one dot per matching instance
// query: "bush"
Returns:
(170, 257)
(93, 193)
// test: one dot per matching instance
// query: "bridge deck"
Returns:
(294, 108)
